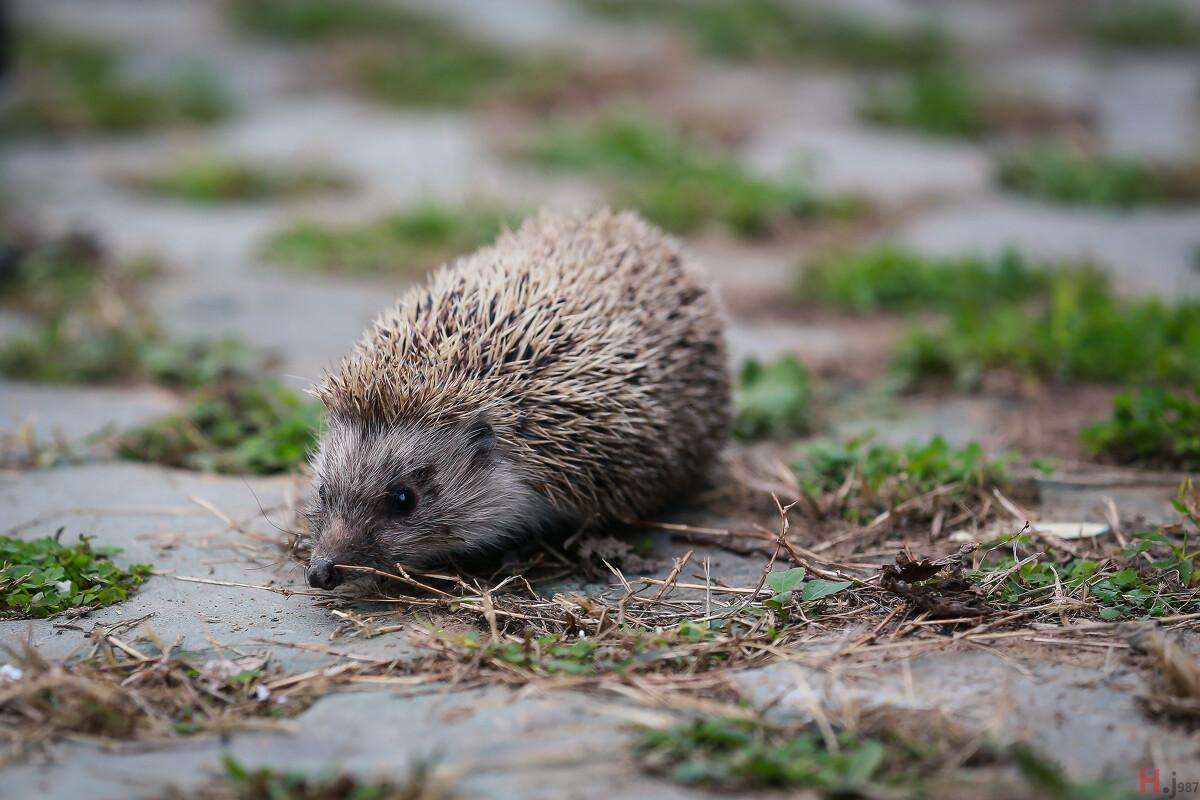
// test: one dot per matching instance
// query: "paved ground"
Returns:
(530, 744)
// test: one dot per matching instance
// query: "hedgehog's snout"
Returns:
(323, 573)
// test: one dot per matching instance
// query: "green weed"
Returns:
(242, 783)
(1145, 25)
(1079, 331)
(42, 577)
(546, 654)
(75, 349)
(83, 349)
(1072, 176)
(408, 243)
(733, 754)
(1154, 576)
(892, 278)
(773, 400)
(48, 277)
(407, 57)
(260, 428)
(1151, 427)
(197, 363)
(890, 753)
(67, 85)
(859, 482)
(940, 101)
(447, 68)
(219, 181)
(770, 31)
(680, 185)
(789, 584)
(90, 326)
(314, 20)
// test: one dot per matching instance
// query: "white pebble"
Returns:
(8, 672)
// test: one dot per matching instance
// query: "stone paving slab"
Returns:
(505, 745)
(1145, 251)
(76, 412)
(891, 169)
(1087, 716)
(148, 512)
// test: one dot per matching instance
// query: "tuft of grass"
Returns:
(76, 349)
(940, 101)
(49, 276)
(316, 20)
(678, 184)
(1154, 576)
(771, 31)
(893, 278)
(261, 428)
(242, 783)
(773, 400)
(1079, 331)
(446, 68)
(1071, 176)
(43, 577)
(911, 483)
(885, 752)
(90, 325)
(407, 57)
(1152, 427)
(69, 85)
(83, 349)
(734, 754)
(1144, 25)
(221, 180)
(409, 243)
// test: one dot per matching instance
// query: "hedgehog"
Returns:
(570, 376)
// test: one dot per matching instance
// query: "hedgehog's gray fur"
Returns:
(574, 373)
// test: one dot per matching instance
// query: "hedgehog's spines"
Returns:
(596, 353)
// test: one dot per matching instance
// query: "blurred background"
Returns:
(978, 219)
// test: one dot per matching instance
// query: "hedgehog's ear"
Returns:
(480, 437)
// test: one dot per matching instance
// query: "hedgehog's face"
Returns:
(408, 495)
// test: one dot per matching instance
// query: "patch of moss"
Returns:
(1151, 427)
(771, 31)
(68, 85)
(409, 242)
(1145, 25)
(43, 577)
(1074, 177)
(260, 428)
(773, 400)
(678, 184)
(893, 278)
(221, 180)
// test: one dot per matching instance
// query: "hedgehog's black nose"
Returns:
(322, 574)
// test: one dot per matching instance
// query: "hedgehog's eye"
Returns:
(401, 501)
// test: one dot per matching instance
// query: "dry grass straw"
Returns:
(120, 691)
